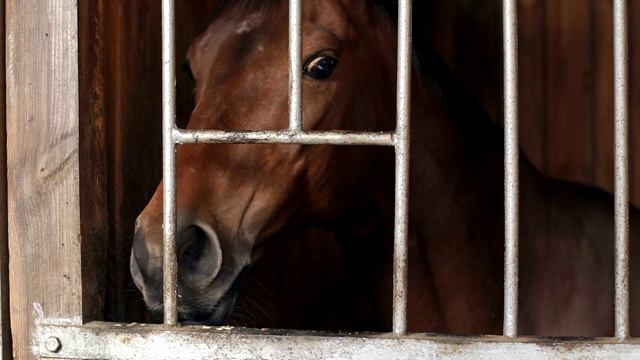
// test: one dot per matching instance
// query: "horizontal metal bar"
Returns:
(99, 340)
(284, 137)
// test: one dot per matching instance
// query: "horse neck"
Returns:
(457, 150)
(456, 206)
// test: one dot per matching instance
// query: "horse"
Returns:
(237, 202)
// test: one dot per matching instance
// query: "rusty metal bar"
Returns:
(145, 341)
(510, 24)
(403, 103)
(295, 65)
(621, 197)
(284, 137)
(170, 263)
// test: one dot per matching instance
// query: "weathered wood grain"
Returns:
(133, 105)
(570, 90)
(82, 163)
(92, 157)
(132, 75)
(634, 98)
(43, 167)
(602, 53)
(5, 325)
(532, 66)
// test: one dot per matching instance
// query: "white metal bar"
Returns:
(510, 25)
(146, 341)
(621, 170)
(284, 137)
(168, 162)
(295, 65)
(403, 103)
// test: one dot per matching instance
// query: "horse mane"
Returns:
(247, 7)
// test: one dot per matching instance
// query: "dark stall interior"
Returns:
(566, 106)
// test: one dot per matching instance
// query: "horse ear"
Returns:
(420, 8)
(391, 6)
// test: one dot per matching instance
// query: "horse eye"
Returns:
(320, 67)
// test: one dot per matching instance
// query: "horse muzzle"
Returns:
(206, 293)
(195, 311)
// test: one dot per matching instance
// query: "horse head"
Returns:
(235, 200)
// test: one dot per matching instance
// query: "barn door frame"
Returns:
(56, 221)
(55, 167)
(5, 325)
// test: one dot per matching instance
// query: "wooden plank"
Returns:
(92, 157)
(532, 67)
(5, 324)
(570, 90)
(133, 105)
(43, 167)
(634, 99)
(132, 73)
(603, 75)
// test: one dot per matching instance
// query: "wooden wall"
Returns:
(566, 78)
(133, 109)
(5, 325)
(111, 154)
(132, 105)
(44, 170)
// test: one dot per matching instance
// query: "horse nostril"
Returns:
(196, 245)
(199, 256)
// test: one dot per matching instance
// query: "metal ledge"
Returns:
(100, 340)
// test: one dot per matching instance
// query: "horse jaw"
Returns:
(210, 270)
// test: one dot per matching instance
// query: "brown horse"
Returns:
(236, 202)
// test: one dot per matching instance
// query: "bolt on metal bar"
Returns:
(284, 137)
(403, 103)
(621, 197)
(295, 65)
(168, 162)
(510, 29)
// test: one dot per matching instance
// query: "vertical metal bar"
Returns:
(621, 170)
(510, 25)
(168, 163)
(295, 65)
(403, 103)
